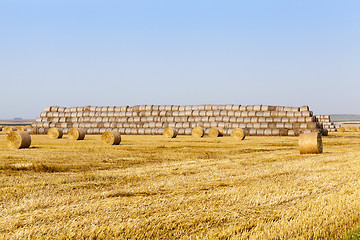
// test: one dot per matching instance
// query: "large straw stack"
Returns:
(19, 139)
(326, 123)
(255, 120)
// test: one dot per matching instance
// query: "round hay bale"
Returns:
(197, 132)
(341, 129)
(348, 129)
(214, 132)
(19, 139)
(76, 134)
(170, 133)
(310, 143)
(9, 129)
(354, 129)
(55, 133)
(111, 138)
(19, 128)
(238, 133)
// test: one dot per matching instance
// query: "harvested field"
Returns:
(185, 187)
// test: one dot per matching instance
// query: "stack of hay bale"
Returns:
(256, 120)
(326, 123)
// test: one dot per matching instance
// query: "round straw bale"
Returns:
(170, 132)
(348, 128)
(354, 129)
(19, 139)
(304, 108)
(214, 132)
(55, 133)
(238, 133)
(341, 129)
(197, 132)
(76, 134)
(9, 129)
(111, 138)
(310, 143)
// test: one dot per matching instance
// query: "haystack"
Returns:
(197, 132)
(215, 132)
(238, 133)
(310, 143)
(19, 139)
(111, 138)
(170, 132)
(55, 133)
(76, 134)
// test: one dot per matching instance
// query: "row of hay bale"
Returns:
(180, 125)
(226, 119)
(258, 120)
(326, 123)
(188, 113)
(207, 107)
(183, 131)
(348, 129)
(308, 142)
(8, 129)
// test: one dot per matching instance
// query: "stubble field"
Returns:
(186, 188)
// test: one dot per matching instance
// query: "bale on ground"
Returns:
(55, 133)
(310, 143)
(76, 134)
(215, 132)
(238, 133)
(354, 129)
(111, 138)
(170, 132)
(19, 139)
(9, 129)
(341, 129)
(197, 132)
(348, 129)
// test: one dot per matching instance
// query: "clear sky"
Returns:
(76, 53)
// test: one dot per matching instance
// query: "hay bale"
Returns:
(310, 143)
(19, 139)
(55, 133)
(170, 132)
(304, 108)
(76, 134)
(215, 132)
(9, 129)
(238, 133)
(354, 129)
(19, 128)
(197, 132)
(111, 138)
(348, 129)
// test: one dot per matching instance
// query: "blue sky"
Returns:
(75, 53)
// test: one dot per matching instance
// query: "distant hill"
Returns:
(16, 122)
(345, 118)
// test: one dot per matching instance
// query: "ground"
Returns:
(154, 187)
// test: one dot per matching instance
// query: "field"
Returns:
(187, 188)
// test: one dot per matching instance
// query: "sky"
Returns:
(188, 52)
